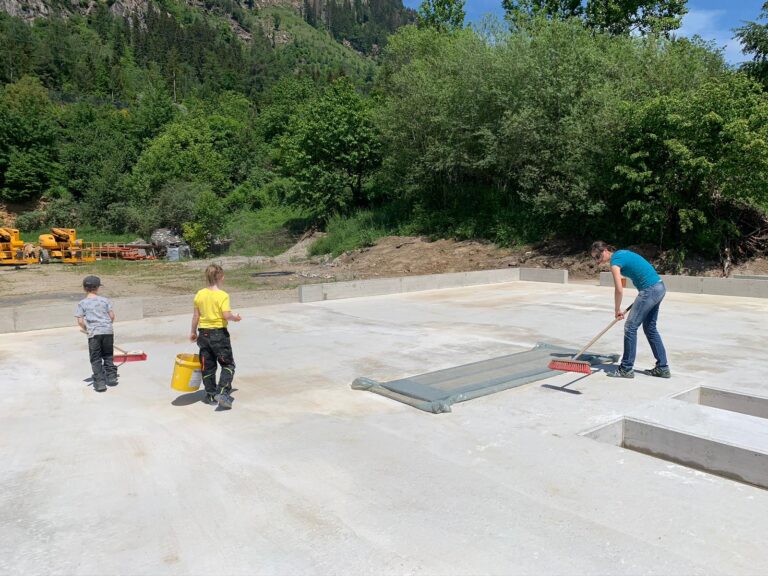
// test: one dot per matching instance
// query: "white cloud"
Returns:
(708, 25)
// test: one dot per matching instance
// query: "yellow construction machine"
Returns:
(63, 245)
(13, 251)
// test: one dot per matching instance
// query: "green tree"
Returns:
(28, 134)
(521, 11)
(693, 163)
(185, 150)
(330, 148)
(754, 42)
(636, 16)
(612, 16)
(515, 138)
(443, 15)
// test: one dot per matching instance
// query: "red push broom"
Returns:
(582, 366)
(122, 356)
(132, 356)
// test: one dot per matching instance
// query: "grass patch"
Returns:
(350, 233)
(266, 232)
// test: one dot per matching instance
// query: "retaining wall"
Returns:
(738, 286)
(22, 319)
(380, 287)
(41, 317)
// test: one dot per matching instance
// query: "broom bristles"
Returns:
(571, 366)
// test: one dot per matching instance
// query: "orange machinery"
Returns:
(13, 251)
(63, 245)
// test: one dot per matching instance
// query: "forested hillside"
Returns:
(223, 119)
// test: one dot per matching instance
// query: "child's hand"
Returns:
(193, 337)
(236, 317)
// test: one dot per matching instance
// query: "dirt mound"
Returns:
(300, 250)
(405, 256)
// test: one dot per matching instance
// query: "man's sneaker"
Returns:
(209, 399)
(659, 372)
(224, 400)
(621, 373)
(99, 386)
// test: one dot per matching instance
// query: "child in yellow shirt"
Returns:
(209, 329)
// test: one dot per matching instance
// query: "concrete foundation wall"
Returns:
(23, 319)
(380, 287)
(751, 287)
(544, 275)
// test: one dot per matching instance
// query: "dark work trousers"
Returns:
(215, 347)
(101, 350)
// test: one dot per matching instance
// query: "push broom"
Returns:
(122, 356)
(582, 366)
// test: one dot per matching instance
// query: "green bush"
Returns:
(176, 201)
(349, 233)
(209, 218)
(266, 232)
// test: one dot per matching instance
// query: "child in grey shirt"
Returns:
(95, 316)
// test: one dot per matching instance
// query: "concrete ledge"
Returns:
(7, 322)
(172, 305)
(383, 286)
(689, 284)
(735, 287)
(726, 440)
(744, 286)
(718, 441)
(606, 279)
(61, 315)
(310, 293)
(741, 401)
(544, 275)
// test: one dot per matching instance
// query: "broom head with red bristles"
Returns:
(581, 366)
(132, 356)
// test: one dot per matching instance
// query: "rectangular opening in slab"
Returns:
(748, 464)
(741, 402)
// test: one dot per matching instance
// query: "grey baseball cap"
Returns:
(91, 282)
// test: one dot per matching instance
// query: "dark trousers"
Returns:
(101, 351)
(215, 347)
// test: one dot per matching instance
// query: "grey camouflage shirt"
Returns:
(96, 313)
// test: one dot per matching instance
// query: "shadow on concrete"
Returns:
(564, 387)
(189, 398)
(192, 397)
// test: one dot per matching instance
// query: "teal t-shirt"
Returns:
(636, 268)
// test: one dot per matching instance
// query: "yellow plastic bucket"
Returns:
(187, 376)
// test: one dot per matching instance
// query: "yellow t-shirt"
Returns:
(212, 304)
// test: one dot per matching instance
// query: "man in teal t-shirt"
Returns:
(645, 308)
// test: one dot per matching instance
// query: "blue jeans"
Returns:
(644, 311)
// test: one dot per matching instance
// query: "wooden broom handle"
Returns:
(113, 345)
(596, 338)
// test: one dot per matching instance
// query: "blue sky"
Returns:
(710, 19)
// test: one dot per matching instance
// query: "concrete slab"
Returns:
(305, 476)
